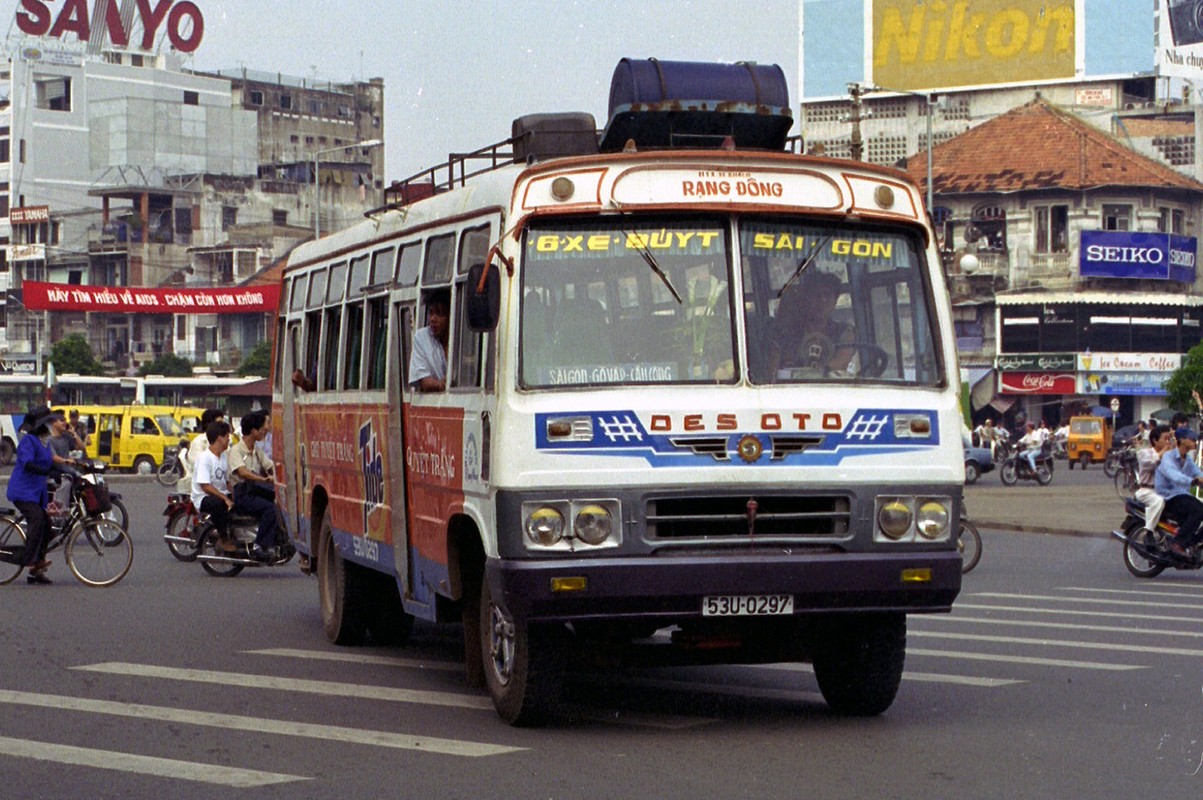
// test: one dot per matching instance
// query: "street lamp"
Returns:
(317, 187)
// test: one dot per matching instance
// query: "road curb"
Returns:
(1010, 526)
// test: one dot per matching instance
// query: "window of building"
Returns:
(137, 61)
(344, 112)
(279, 217)
(191, 98)
(286, 102)
(1052, 228)
(315, 107)
(256, 97)
(988, 227)
(1171, 220)
(1117, 217)
(229, 217)
(53, 93)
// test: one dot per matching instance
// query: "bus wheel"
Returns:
(342, 592)
(523, 663)
(858, 662)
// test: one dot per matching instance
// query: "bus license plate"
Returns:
(747, 605)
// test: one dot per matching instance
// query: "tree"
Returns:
(168, 364)
(73, 354)
(1186, 378)
(258, 361)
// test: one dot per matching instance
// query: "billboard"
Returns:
(1179, 40)
(930, 45)
(40, 296)
(1130, 254)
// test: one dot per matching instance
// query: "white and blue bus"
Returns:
(701, 403)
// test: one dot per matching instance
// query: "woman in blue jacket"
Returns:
(27, 485)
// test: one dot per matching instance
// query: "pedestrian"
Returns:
(27, 489)
(78, 429)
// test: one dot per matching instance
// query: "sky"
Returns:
(457, 72)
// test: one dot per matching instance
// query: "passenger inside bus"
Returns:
(803, 334)
(428, 361)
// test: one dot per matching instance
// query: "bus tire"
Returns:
(523, 664)
(341, 591)
(858, 662)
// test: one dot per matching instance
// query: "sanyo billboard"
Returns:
(182, 22)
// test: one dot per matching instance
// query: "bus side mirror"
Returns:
(483, 301)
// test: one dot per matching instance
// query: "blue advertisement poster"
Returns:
(1125, 254)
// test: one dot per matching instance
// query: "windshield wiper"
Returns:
(804, 263)
(651, 262)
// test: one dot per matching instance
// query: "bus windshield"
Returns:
(617, 301)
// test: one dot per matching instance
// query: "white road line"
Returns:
(1139, 592)
(1012, 659)
(919, 677)
(142, 765)
(1077, 626)
(1058, 598)
(358, 658)
(1065, 611)
(328, 733)
(1124, 648)
(236, 680)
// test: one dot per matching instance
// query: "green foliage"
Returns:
(1186, 378)
(73, 354)
(258, 361)
(168, 364)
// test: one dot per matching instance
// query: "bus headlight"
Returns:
(932, 519)
(894, 518)
(545, 526)
(593, 524)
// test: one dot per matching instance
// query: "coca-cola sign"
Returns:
(1038, 383)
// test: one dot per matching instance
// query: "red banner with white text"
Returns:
(129, 299)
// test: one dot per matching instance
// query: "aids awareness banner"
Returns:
(128, 299)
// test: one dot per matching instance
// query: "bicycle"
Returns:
(97, 550)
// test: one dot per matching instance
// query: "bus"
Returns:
(700, 405)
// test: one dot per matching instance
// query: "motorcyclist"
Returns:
(1175, 476)
(1030, 444)
(1147, 460)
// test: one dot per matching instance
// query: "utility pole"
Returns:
(856, 143)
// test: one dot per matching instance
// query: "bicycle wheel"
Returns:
(12, 549)
(168, 474)
(970, 545)
(99, 552)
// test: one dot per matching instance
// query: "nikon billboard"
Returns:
(943, 44)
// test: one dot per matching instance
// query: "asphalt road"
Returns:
(1057, 675)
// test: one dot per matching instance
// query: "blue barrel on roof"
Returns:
(659, 104)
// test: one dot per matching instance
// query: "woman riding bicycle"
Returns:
(35, 463)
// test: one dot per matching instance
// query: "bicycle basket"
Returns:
(96, 499)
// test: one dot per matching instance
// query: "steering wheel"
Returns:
(817, 350)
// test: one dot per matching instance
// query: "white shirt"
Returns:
(209, 469)
(428, 358)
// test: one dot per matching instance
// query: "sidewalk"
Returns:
(1093, 510)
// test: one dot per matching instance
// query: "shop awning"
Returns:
(1001, 404)
(981, 386)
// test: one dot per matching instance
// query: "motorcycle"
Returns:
(191, 536)
(182, 520)
(172, 468)
(1148, 553)
(1016, 468)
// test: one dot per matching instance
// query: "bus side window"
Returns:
(333, 336)
(404, 343)
(377, 336)
(469, 347)
(354, 352)
(313, 339)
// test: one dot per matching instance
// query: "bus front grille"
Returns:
(729, 518)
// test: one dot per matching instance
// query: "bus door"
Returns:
(400, 337)
(292, 472)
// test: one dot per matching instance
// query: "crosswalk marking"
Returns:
(1125, 648)
(1014, 659)
(246, 681)
(143, 765)
(1077, 626)
(1150, 592)
(332, 733)
(1062, 611)
(1074, 599)
(358, 658)
(921, 677)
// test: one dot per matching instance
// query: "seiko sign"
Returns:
(182, 21)
(1126, 254)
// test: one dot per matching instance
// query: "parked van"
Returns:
(134, 437)
(189, 418)
(1089, 440)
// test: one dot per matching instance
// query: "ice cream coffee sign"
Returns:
(1129, 362)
